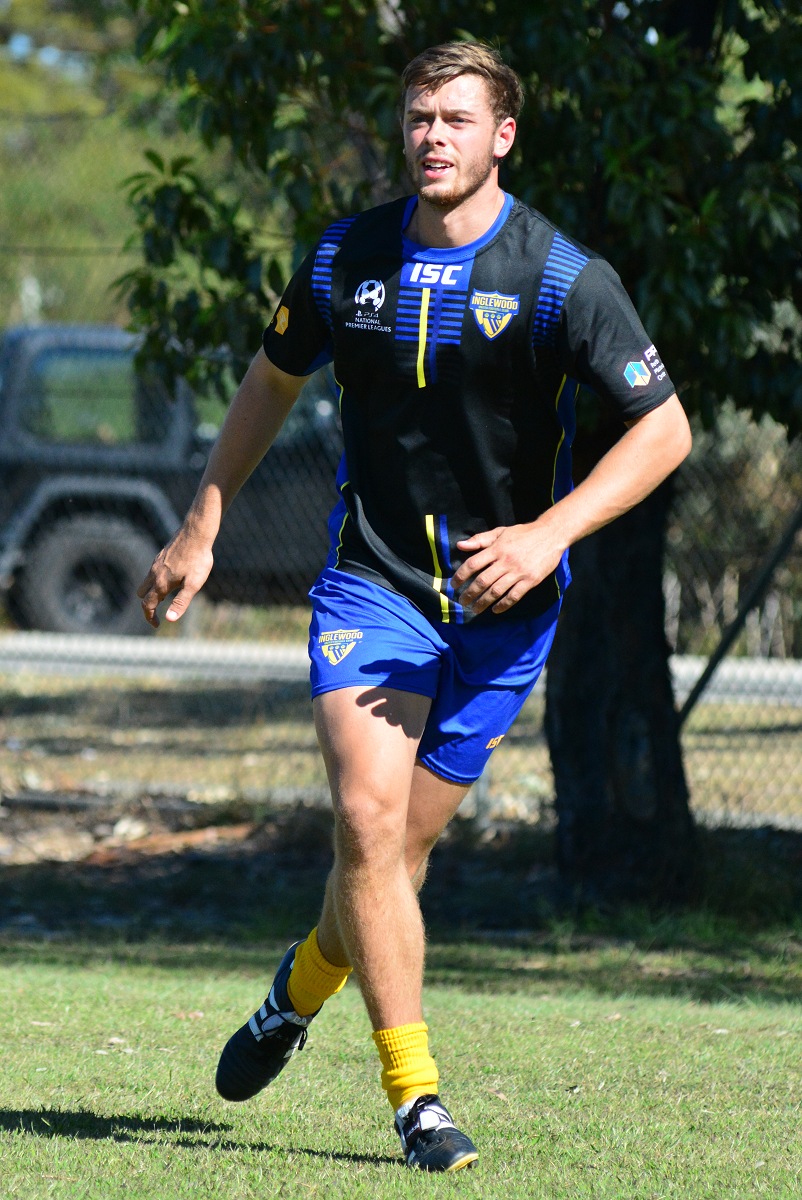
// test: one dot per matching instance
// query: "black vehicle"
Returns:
(98, 466)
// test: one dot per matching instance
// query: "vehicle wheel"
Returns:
(81, 576)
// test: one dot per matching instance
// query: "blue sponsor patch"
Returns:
(637, 374)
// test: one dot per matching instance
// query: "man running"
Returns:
(460, 324)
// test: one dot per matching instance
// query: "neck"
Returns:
(442, 228)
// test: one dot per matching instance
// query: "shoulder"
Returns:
(383, 221)
(555, 243)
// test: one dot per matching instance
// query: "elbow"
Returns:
(684, 441)
(674, 431)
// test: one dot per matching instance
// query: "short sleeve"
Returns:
(602, 343)
(298, 340)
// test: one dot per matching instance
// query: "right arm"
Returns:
(257, 412)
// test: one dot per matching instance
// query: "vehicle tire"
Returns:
(81, 576)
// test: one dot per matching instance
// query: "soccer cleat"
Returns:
(431, 1141)
(260, 1050)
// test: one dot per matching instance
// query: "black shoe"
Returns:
(430, 1139)
(259, 1051)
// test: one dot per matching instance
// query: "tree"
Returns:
(665, 136)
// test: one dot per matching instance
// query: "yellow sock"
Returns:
(408, 1069)
(312, 978)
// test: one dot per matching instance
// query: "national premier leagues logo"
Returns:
(338, 642)
(493, 311)
(370, 292)
(369, 297)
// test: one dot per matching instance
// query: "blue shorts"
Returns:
(477, 675)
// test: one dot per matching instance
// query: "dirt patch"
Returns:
(69, 829)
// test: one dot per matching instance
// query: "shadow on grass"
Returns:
(497, 915)
(82, 1125)
(51, 1122)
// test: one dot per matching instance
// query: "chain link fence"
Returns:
(734, 570)
(98, 467)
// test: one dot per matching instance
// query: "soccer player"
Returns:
(460, 324)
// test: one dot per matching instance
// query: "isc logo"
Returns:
(429, 273)
(496, 741)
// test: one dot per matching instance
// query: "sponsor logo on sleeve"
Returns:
(637, 374)
(336, 643)
(493, 311)
(653, 359)
(641, 374)
(282, 319)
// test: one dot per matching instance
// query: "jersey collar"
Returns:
(452, 253)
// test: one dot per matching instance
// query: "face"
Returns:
(452, 141)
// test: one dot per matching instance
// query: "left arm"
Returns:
(506, 562)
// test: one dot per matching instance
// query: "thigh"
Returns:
(484, 682)
(369, 740)
(433, 801)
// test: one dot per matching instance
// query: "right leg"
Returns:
(433, 801)
(369, 740)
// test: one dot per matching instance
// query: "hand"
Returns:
(505, 563)
(183, 566)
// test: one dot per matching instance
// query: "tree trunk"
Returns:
(624, 826)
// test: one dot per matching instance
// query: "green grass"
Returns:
(589, 1073)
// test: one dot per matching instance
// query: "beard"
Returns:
(474, 175)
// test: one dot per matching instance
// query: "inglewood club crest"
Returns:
(493, 311)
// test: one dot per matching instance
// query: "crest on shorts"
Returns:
(336, 643)
(493, 311)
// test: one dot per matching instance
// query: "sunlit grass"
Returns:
(569, 1085)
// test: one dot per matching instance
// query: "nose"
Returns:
(435, 133)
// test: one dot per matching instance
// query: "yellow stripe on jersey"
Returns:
(347, 483)
(438, 581)
(559, 444)
(559, 447)
(341, 532)
(423, 326)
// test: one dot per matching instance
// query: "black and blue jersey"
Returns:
(458, 371)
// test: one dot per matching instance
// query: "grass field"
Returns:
(620, 1055)
(601, 1072)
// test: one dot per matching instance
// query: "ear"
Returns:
(505, 136)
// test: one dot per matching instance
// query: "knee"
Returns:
(416, 854)
(369, 828)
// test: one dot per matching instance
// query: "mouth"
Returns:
(435, 168)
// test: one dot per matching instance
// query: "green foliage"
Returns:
(67, 138)
(202, 271)
(683, 168)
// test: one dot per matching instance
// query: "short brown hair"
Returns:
(440, 64)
